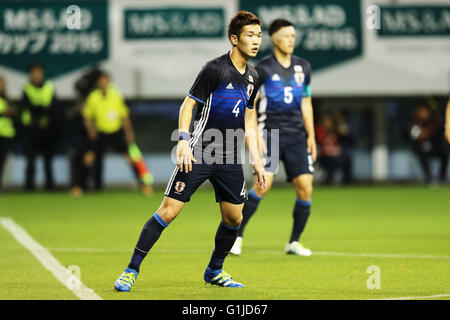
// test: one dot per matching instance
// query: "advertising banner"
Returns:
(154, 49)
(37, 31)
(327, 31)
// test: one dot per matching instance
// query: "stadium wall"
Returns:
(151, 59)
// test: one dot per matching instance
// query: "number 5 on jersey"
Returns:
(288, 95)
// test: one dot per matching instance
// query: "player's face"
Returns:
(284, 39)
(250, 40)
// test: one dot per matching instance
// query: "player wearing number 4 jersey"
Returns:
(225, 91)
(285, 105)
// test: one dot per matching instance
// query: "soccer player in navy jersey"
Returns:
(225, 90)
(285, 105)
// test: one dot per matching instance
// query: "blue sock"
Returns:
(224, 240)
(301, 214)
(212, 272)
(149, 235)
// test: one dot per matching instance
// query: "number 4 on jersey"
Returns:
(236, 108)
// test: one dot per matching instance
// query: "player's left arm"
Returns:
(308, 118)
(262, 147)
(251, 134)
(251, 137)
(308, 115)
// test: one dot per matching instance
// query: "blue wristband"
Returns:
(183, 136)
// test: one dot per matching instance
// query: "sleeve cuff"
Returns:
(190, 95)
(307, 91)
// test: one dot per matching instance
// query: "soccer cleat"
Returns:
(126, 280)
(298, 249)
(237, 247)
(220, 278)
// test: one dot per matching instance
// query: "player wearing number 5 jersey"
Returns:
(285, 105)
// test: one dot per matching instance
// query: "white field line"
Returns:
(381, 255)
(49, 261)
(323, 253)
(315, 253)
(417, 298)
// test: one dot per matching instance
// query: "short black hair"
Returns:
(277, 24)
(102, 73)
(241, 19)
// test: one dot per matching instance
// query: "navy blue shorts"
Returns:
(227, 179)
(293, 152)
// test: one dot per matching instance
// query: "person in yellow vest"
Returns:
(108, 124)
(38, 106)
(7, 130)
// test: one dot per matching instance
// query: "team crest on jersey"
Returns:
(276, 77)
(299, 75)
(250, 78)
(249, 90)
(179, 186)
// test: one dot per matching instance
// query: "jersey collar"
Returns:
(234, 68)
(278, 62)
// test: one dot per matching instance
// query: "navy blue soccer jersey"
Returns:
(281, 93)
(223, 93)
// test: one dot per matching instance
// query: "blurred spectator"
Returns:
(7, 130)
(81, 160)
(38, 117)
(333, 138)
(425, 133)
(343, 130)
(108, 124)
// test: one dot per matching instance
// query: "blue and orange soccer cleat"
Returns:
(126, 280)
(220, 278)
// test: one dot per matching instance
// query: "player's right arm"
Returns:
(447, 122)
(184, 152)
(204, 84)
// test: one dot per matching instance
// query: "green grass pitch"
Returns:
(404, 230)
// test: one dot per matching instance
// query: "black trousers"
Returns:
(442, 154)
(118, 143)
(79, 172)
(4, 147)
(333, 164)
(39, 142)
